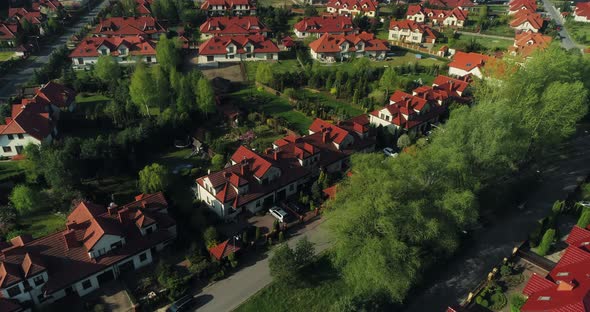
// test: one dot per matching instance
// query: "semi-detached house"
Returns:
(412, 32)
(319, 25)
(255, 181)
(454, 18)
(330, 48)
(232, 26)
(353, 7)
(126, 50)
(99, 244)
(228, 7)
(147, 27)
(237, 49)
(527, 21)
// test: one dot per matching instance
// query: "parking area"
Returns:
(113, 297)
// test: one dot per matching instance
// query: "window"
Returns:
(86, 284)
(13, 291)
(269, 56)
(116, 245)
(20, 136)
(209, 58)
(232, 56)
(38, 280)
(230, 50)
(81, 61)
(103, 51)
(11, 137)
(149, 230)
(544, 298)
(19, 149)
(258, 203)
(148, 59)
(6, 149)
(143, 257)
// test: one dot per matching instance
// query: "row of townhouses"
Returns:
(11, 31)
(99, 244)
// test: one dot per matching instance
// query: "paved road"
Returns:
(229, 293)
(566, 40)
(10, 82)
(464, 272)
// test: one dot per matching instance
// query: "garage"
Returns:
(126, 267)
(105, 277)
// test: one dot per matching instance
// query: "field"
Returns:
(43, 224)
(321, 288)
(281, 66)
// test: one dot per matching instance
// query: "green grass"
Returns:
(322, 287)
(89, 99)
(281, 66)
(122, 187)
(261, 101)
(5, 56)
(43, 224)
(488, 44)
(329, 101)
(8, 170)
(580, 32)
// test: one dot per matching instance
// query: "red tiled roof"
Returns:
(55, 94)
(8, 31)
(578, 237)
(51, 5)
(128, 26)
(335, 133)
(414, 27)
(33, 17)
(523, 5)
(326, 24)
(30, 117)
(233, 25)
(227, 4)
(217, 45)
(536, 284)
(223, 250)
(136, 45)
(522, 17)
(451, 85)
(468, 61)
(437, 14)
(144, 7)
(526, 42)
(582, 9)
(328, 43)
(331, 191)
(258, 164)
(360, 5)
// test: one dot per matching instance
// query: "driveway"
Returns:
(229, 293)
(10, 82)
(565, 168)
(567, 41)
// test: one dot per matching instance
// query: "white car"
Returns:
(388, 151)
(584, 203)
(278, 213)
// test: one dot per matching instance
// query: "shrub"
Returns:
(498, 301)
(546, 242)
(516, 302)
(281, 237)
(210, 237)
(584, 219)
(505, 270)
(257, 234)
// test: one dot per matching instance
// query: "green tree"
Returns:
(141, 88)
(205, 96)
(304, 252)
(25, 200)
(153, 178)
(404, 141)
(264, 73)
(217, 162)
(168, 53)
(210, 237)
(282, 264)
(129, 7)
(107, 69)
(389, 80)
(584, 219)
(546, 242)
(161, 87)
(5, 111)
(516, 302)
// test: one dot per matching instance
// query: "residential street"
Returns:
(567, 41)
(10, 81)
(490, 245)
(229, 293)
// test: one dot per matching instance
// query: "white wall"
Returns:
(104, 244)
(582, 19)
(4, 141)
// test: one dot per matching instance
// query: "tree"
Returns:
(584, 219)
(5, 111)
(389, 80)
(107, 69)
(516, 302)
(129, 7)
(264, 73)
(153, 178)
(168, 53)
(210, 237)
(161, 87)
(546, 242)
(141, 88)
(404, 141)
(304, 252)
(205, 96)
(282, 264)
(25, 200)
(310, 10)
(217, 162)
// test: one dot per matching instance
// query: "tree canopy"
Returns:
(107, 69)
(153, 178)
(168, 52)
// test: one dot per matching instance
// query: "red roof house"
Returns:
(410, 31)
(527, 21)
(525, 43)
(451, 4)
(353, 7)
(237, 48)
(233, 25)
(582, 12)
(144, 7)
(234, 7)
(126, 49)
(455, 17)
(9, 33)
(33, 17)
(147, 27)
(319, 25)
(224, 249)
(337, 47)
(464, 64)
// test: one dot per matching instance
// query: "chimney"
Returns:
(70, 239)
(112, 209)
(276, 155)
(121, 215)
(244, 168)
(325, 136)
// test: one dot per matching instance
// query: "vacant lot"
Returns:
(232, 73)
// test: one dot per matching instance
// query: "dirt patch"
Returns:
(232, 73)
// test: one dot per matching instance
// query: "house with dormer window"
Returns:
(331, 48)
(98, 245)
(238, 48)
(228, 7)
(353, 7)
(319, 25)
(147, 27)
(232, 26)
(126, 50)
(255, 181)
(412, 32)
(464, 64)
(453, 17)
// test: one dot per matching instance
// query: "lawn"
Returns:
(281, 66)
(43, 224)
(488, 44)
(5, 56)
(9, 170)
(580, 32)
(322, 287)
(252, 99)
(329, 101)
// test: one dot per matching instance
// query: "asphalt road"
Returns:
(490, 245)
(10, 82)
(229, 293)
(566, 40)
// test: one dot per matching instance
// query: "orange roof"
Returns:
(468, 61)
(328, 43)
(331, 192)
(223, 249)
(525, 43)
(522, 17)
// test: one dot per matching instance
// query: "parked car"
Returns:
(279, 214)
(182, 304)
(388, 151)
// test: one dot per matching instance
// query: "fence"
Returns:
(414, 47)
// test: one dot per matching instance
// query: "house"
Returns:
(451, 4)
(525, 43)
(231, 7)
(237, 48)
(10, 34)
(58, 96)
(582, 12)
(257, 180)
(464, 64)
(144, 7)
(319, 25)
(127, 50)
(147, 27)
(48, 7)
(416, 112)
(224, 249)
(353, 7)
(31, 122)
(232, 25)
(98, 245)
(454, 18)
(526, 21)
(330, 48)
(516, 6)
(567, 286)
(412, 32)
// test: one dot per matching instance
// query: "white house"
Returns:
(125, 50)
(412, 32)
(464, 64)
(353, 7)
(238, 48)
(329, 48)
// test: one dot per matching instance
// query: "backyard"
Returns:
(462, 41)
(42, 224)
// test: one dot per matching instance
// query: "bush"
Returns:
(498, 301)
(584, 219)
(516, 302)
(210, 237)
(257, 234)
(281, 237)
(546, 242)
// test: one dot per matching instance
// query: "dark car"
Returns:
(182, 304)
